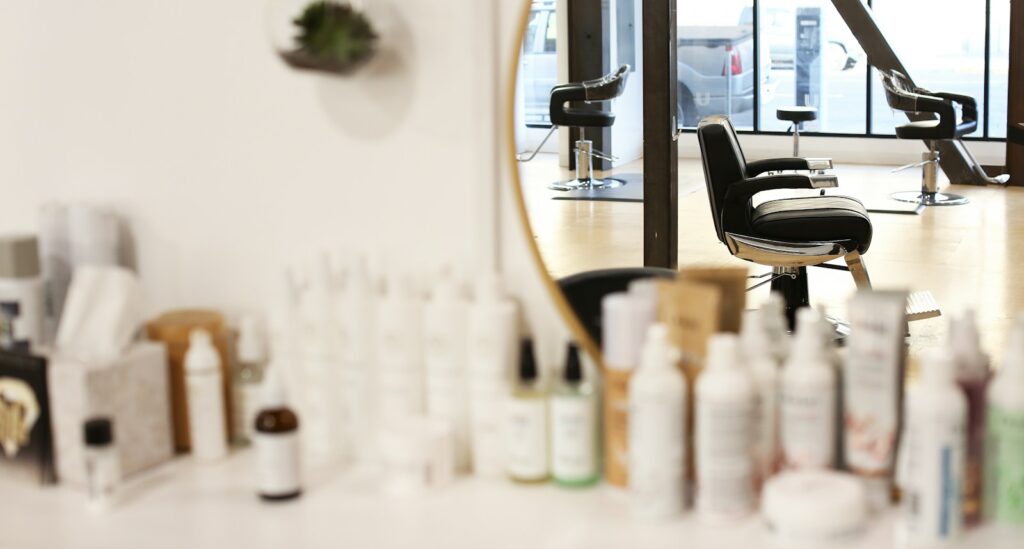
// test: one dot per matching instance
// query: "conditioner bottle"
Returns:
(657, 435)
(206, 417)
(526, 422)
(808, 406)
(574, 454)
(1004, 493)
(725, 401)
(276, 440)
(444, 326)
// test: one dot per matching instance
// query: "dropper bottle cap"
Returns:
(573, 373)
(965, 343)
(723, 352)
(658, 353)
(527, 361)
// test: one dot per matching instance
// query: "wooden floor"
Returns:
(967, 256)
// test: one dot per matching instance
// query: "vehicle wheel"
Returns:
(686, 108)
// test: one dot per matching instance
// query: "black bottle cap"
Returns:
(98, 431)
(573, 369)
(527, 362)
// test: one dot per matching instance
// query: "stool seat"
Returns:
(797, 114)
(1015, 133)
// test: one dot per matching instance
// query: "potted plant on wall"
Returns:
(323, 35)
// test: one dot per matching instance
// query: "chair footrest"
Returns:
(922, 305)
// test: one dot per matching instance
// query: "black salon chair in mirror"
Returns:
(787, 234)
(903, 95)
(586, 291)
(572, 106)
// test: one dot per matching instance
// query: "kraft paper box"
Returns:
(132, 390)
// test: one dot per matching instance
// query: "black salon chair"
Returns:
(572, 107)
(787, 234)
(902, 95)
(585, 291)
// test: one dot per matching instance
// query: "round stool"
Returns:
(797, 115)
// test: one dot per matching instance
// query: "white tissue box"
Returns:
(131, 390)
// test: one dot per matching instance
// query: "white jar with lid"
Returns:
(21, 293)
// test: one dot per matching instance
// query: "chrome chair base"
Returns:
(579, 185)
(930, 199)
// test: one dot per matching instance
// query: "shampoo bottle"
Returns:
(759, 356)
(972, 374)
(355, 341)
(574, 454)
(248, 375)
(808, 406)
(933, 470)
(206, 417)
(657, 435)
(526, 422)
(726, 397)
(1004, 450)
(490, 359)
(400, 372)
(444, 326)
(276, 441)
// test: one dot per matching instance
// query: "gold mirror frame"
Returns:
(579, 334)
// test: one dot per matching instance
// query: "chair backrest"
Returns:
(900, 92)
(607, 87)
(723, 160)
(585, 291)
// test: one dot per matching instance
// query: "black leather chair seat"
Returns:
(588, 118)
(797, 114)
(930, 129)
(814, 218)
(1015, 133)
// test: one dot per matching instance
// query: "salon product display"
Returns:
(247, 377)
(400, 375)
(1004, 447)
(205, 398)
(972, 375)
(276, 442)
(102, 466)
(808, 403)
(574, 426)
(526, 421)
(444, 350)
(657, 437)
(355, 339)
(22, 308)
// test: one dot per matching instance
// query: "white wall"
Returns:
(230, 166)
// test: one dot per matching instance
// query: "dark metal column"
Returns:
(1015, 91)
(958, 163)
(661, 153)
(589, 58)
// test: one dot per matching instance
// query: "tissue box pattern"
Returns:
(132, 390)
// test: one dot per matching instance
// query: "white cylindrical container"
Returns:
(444, 330)
(207, 424)
(102, 465)
(1004, 449)
(276, 442)
(814, 508)
(355, 344)
(759, 356)
(725, 400)
(399, 351)
(657, 434)
(22, 309)
(624, 319)
(808, 404)
(935, 446)
(492, 333)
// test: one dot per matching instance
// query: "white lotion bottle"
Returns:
(444, 327)
(759, 356)
(808, 406)
(492, 333)
(725, 401)
(1004, 449)
(207, 423)
(933, 470)
(657, 433)
(356, 342)
(399, 351)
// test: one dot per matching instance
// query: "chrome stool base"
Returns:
(930, 199)
(578, 185)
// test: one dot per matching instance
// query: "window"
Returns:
(538, 69)
(999, 67)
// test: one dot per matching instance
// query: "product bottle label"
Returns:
(1004, 455)
(657, 442)
(573, 438)
(616, 427)
(277, 463)
(526, 442)
(808, 428)
(725, 481)
(935, 466)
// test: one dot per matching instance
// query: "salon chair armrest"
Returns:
(967, 103)
(742, 192)
(759, 167)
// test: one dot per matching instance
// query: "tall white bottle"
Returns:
(657, 433)
(492, 336)
(759, 356)
(356, 352)
(205, 389)
(808, 406)
(1004, 449)
(444, 328)
(322, 411)
(935, 446)
(725, 429)
(399, 351)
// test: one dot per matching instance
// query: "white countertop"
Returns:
(196, 506)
